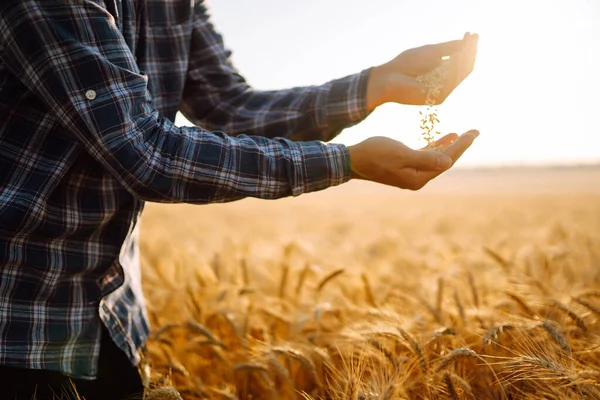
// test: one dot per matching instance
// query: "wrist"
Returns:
(376, 87)
(351, 157)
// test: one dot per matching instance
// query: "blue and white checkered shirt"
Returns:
(88, 92)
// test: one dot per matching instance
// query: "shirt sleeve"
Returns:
(73, 59)
(216, 96)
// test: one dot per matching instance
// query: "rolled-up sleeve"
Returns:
(74, 59)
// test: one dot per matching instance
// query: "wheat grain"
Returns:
(571, 314)
(450, 386)
(351, 392)
(297, 355)
(379, 347)
(450, 378)
(457, 355)
(556, 335)
(249, 367)
(416, 348)
(588, 305)
(492, 335)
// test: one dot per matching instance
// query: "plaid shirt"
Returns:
(88, 92)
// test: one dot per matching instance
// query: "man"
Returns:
(89, 90)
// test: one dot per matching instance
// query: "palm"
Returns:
(416, 62)
(386, 161)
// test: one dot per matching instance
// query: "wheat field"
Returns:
(485, 285)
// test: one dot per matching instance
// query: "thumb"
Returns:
(427, 160)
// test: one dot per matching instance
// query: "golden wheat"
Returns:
(428, 297)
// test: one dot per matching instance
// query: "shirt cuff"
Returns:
(346, 101)
(319, 166)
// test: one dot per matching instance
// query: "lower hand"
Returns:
(387, 161)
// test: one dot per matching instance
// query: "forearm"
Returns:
(301, 113)
(192, 165)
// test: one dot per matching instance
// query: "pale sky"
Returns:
(534, 94)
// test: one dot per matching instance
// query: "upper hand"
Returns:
(387, 161)
(395, 81)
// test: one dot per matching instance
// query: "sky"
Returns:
(534, 94)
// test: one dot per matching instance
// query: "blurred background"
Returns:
(534, 93)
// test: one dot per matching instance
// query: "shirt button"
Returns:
(90, 95)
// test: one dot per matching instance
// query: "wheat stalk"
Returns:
(328, 278)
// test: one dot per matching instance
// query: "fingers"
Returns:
(444, 141)
(456, 149)
(415, 179)
(469, 54)
(444, 49)
(460, 66)
(429, 164)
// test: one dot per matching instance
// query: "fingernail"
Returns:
(444, 162)
(473, 132)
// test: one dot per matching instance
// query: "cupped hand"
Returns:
(396, 80)
(390, 162)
